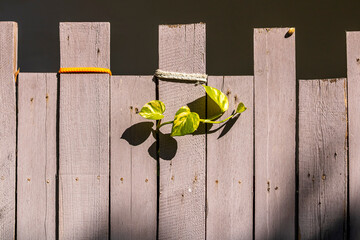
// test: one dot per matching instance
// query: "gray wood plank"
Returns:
(275, 111)
(353, 76)
(84, 133)
(230, 165)
(182, 179)
(133, 170)
(322, 159)
(36, 185)
(8, 66)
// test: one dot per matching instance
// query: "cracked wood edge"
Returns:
(8, 66)
(84, 132)
(230, 164)
(36, 185)
(353, 75)
(182, 179)
(133, 170)
(322, 159)
(275, 113)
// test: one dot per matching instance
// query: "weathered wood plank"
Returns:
(322, 159)
(182, 179)
(230, 165)
(275, 111)
(133, 170)
(84, 133)
(36, 185)
(353, 76)
(8, 66)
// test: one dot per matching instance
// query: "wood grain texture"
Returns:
(84, 133)
(182, 179)
(36, 185)
(353, 75)
(275, 111)
(133, 170)
(322, 159)
(8, 66)
(230, 165)
(85, 44)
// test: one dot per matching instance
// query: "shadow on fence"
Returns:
(139, 132)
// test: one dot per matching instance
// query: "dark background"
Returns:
(320, 31)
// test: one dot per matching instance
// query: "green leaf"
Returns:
(241, 108)
(153, 110)
(185, 122)
(218, 97)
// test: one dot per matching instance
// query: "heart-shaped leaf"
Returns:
(185, 122)
(241, 108)
(153, 110)
(218, 97)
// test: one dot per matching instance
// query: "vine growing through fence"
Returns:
(185, 121)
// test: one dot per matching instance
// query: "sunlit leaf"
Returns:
(153, 110)
(185, 122)
(241, 108)
(218, 97)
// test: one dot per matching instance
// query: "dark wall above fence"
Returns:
(75, 162)
(320, 27)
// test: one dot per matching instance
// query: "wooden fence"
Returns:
(78, 162)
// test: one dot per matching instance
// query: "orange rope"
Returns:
(85, 70)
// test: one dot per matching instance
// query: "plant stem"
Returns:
(160, 125)
(215, 117)
(209, 120)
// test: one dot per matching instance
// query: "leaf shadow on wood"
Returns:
(225, 127)
(212, 110)
(198, 106)
(138, 133)
(167, 149)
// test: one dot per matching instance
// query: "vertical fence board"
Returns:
(8, 65)
(322, 159)
(353, 75)
(275, 110)
(133, 170)
(36, 185)
(182, 179)
(230, 165)
(84, 133)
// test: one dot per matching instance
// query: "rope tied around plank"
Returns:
(192, 77)
(85, 70)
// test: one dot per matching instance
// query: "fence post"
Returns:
(275, 112)
(322, 159)
(8, 66)
(230, 164)
(353, 75)
(84, 133)
(36, 185)
(182, 178)
(133, 170)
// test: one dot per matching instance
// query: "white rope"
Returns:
(196, 77)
